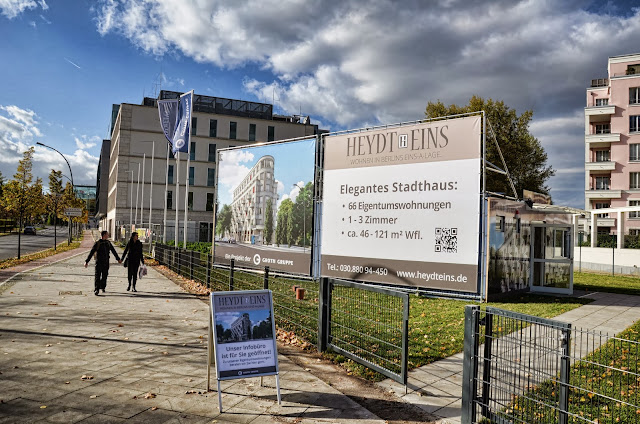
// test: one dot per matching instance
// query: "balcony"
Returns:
(599, 113)
(599, 82)
(603, 194)
(600, 166)
(601, 140)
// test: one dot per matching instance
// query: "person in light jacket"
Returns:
(134, 249)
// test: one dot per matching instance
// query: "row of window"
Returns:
(233, 130)
(605, 155)
(634, 97)
(208, 206)
(599, 205)
(211, 176)
(634, 126)
(604, 182)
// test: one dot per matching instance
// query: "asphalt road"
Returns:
(29, 243)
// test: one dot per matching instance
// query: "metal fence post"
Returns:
(565, 375)
(486, 370)
(191, 257)
(233, 262)
(208, 270)
(405, 341)
(265, 284)
(470, 363)
(323, 312)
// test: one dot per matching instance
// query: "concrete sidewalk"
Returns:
(69, 356)
(437, 387)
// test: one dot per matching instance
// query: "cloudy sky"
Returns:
(345, 63)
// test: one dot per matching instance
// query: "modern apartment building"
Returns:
(612, 152)
(136, 136)
(250, 199)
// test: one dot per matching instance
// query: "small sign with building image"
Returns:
(243, 332)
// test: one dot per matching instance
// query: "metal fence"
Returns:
(524, 369)
(368, 324)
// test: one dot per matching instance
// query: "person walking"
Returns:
(134, 249)
(101, 248)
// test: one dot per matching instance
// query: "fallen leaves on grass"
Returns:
(289, 337)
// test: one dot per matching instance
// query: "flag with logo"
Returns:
(182, 133)
(168, 110)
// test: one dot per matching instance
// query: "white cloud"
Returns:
(13, 8)
(84, 142)
(382, 63)
(232, 171)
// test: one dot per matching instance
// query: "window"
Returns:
(603, 156)
(603, 128)
(169, 199)
(170, 172)
(211, 177)
(233, 126)
(252, 132)
(601, 205)
(602, 183)
(602, 102)
(634, 151)
(634, 95)
(633, 69)
(212, 152)
(192, 173)
(209, 207)
(190, 201)
(634, 231)
(213, 127)
(634, 123)
(192, 152)
(271, 136)
(634, 180)
(634, 215)
(500, 223)
(194, 124)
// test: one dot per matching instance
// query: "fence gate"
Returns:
(516, 368)
(367, 324)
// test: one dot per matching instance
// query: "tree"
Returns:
(20, 198)
(284, 222)
(268, 222)
(524, 155)
(223, 222)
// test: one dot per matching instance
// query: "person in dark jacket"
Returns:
(134, 248)
(101, 248)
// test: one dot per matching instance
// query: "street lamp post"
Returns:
(70, 173)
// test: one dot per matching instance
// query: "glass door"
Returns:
(552, 259)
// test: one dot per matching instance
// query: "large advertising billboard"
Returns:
(265, 195)
(401, 205)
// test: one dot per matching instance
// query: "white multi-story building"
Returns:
(250, 199)
(136, 133)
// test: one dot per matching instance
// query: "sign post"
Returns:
(244, 337)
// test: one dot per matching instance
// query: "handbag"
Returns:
(126, 262)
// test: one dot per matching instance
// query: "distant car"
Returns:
(30, 230)
(232, 240)
(225, 239)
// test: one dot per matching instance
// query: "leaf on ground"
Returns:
(67, 382)
(86, 377)
(149, 395)
(52, 304)
(154, 408)
(43, 406)
(191, 392)
(93, 396)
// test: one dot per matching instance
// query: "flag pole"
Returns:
(166, 192)
(137, 194)
(177, 175)
(153, 153)
(144, 160)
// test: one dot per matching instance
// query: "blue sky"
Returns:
(345, 63)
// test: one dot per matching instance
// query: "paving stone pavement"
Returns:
(69, 356)
(437, 387)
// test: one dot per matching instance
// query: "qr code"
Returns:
(447, 240)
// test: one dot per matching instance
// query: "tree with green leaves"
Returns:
(223, 220)
(302, 215)
(54, 200)
(524, 155)
(268, 222)
(284, 222)
(18, 193)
